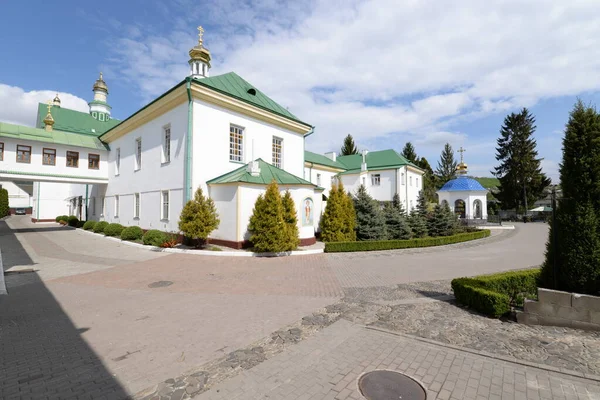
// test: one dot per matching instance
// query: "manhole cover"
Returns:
(160, 284)
(388, 385)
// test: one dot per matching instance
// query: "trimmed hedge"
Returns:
(89, 225)
(493, 295)
(154, 237)
(4, 207)
(113, 229)
(132, 233)
(73, 221)
(62, 218)
(336, 247)
(99, 226)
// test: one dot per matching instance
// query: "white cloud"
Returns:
(20, 107)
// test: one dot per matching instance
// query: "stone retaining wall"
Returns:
(558, 308)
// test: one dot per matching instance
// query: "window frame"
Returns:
(1, 151)
(44, 149)
(240, 132)
(166, 144)
(164, 217)
(137, 205)
(97, 157)
(410, 180)
(117, 205)
(17, 154)
(138, 154)
(117, 161)
(375, 179)
(67, 159)
(277, 143)
(318, 179)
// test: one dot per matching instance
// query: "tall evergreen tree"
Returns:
(339, 219)
(398, 204)
(522, 181)
(397, 226)
(199, 217)
(291, 221)
(409, 152)
(573, 247)
(370, 221)
(349, 214)
(421, 208)
(418, 224)
(446, 168)
(267, 226)
(429, 180)
(349, 147)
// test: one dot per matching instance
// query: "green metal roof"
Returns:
(233, 85)
(315, 158)
(376, 160)
(55, 137)
(74, 121)
(268, 173)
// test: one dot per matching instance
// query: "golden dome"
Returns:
(100, 84)
(199, 52)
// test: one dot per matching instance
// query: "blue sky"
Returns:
(383, 71)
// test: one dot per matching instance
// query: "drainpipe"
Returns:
(37, 211)
(406, 186)
(86, 201)
(188, 146)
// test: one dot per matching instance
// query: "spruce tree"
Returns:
(370, 221)
(291, 221)
(349, 147)
(397, 227)
(335, 219)
(409, 152)
(267, 226)
(199, 217)
(422, 205)
(452, 220)
(446, 168)
(522, 181)
(573, 246)
(436, 225)
(418, 224)
(429, 180)
(398, 204)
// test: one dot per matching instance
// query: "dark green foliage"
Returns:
(418, 224)
(132, 233)
(99, 226)
(62, 218)
(429, 181)
(577, 224)
(154, 237)
(199, 217)
(522, 181)
(89, 225)
(422, 209)
(335, 247)
(409, 152)
(349, 227)
(446, 168)
(291, 221)
(493, 295)
(370, 221)
(267, 226)
(4, 208)
(338, 222)
(396, 223)
(80, 224)
(398, 204)
(73, 221)
(439, 224)
(113, 229)
(349, 147)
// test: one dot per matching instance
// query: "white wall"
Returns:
(310, 174)
(17, 197)
(469, 197)
(225, 199)
(211, 143)
(153, 177)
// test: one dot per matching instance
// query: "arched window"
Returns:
(477, 209)
(459, 208)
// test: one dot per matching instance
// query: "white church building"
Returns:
(220, 133)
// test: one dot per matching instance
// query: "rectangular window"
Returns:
(93, 161)
(277, 150)
(23, 154)
(364, 181)
(116, 206)
(103, 206)
(410, 180)
(164, 198)
(117, 161)
(318, 179)
(49, 156)
(93, 205)
(72, 159)
(138, 153)
(236, 143)
(375, 180)
(1, 151)
(136, 205)
(403, 182)
(417, 181)
(166, 144)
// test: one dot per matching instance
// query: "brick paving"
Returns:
(328, 366)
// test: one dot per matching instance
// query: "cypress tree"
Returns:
(370, 222)
(409, 152)
(576, 250)
(446, 168)
(199, 217)
(267, 225)
(349, 214)
(395, 222)
(291, 221)
(349, 147)
(335, 218)
(4, 207)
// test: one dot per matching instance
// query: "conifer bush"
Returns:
(441, 222)
(370, 221)
(291, 221)
(99, 226)
(4, 208)
(339, 219)
(113, 229)
(132, 233)
(199, 217)
(267, 225)
(395, 222)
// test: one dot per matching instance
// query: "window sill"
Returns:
(117, 174)
(136, 170)
(236, 162)
(71, 166)
(49, 165)
(136, 218)
(96, 169)
(24, 162)
(165, 163)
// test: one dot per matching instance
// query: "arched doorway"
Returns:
(477, 209)
(444, 203)
(459, 208)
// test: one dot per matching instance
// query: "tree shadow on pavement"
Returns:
(13, 252)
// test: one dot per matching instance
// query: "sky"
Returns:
(384, 71)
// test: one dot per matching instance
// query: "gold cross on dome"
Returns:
(461, 151)
(200, 33)
(49, 105)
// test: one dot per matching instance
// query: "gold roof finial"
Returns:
(49, 106)
(461, 151)
(200, 34)
(199, 52)
(49, 121)
(462, 167)
(100, 84)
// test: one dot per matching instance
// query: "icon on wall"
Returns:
(307, 212)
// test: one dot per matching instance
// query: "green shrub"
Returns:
(80, 224)
(4, 207)
(154, 237)
(99, 226)
(199, 217)
(335, 247)
(62, 218)
(113, 229)
(339, 219)
(267, 224)
(73, 221)
(493, 295)
(132, 233)
(89, 225)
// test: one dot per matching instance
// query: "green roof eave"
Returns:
(267, 174)
(55, 137)
(319, 159)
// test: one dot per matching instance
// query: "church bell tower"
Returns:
(199, 58)
(99, 108)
